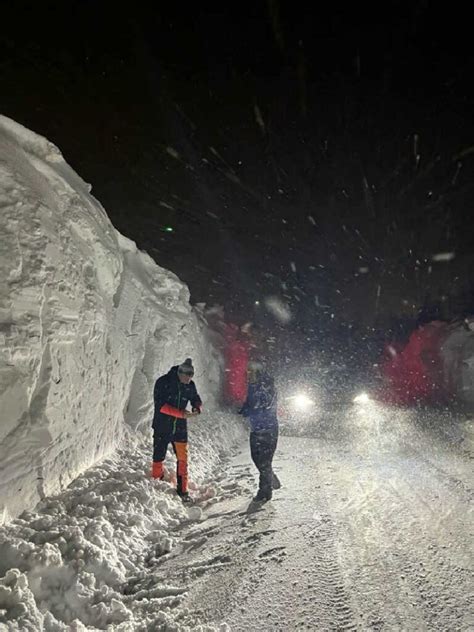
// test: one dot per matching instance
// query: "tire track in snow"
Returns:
(392, 534)
(289, 577)
(442, 575)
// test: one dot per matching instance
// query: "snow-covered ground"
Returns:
(75, 561)
(87, 323)
(372, 530)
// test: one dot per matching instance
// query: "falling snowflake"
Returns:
(172, 152)
(259, 118)
(279, 309)
(443, 256)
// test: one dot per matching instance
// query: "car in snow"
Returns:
(316, 405)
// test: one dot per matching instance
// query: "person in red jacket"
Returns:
(172, 394)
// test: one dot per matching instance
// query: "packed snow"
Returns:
(87, 323)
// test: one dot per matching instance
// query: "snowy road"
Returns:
(373, 529)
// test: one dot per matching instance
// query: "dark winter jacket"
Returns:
(171, 398)
(261, 404)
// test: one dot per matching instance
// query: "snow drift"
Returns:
(87, 323)
(457, 354)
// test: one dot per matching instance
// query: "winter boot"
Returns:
(262, 497)
(185, 497)
(275, 482)
(157, 470)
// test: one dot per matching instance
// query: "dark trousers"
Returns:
(263, 444)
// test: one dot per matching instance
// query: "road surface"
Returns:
(372, 530)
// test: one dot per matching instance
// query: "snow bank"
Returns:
(457, 353)
(89, 557)
(87, 323)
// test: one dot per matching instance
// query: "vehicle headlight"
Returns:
(301, 401)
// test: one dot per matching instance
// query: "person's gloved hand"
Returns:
(188, 414)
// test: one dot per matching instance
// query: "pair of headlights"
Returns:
(303, 402)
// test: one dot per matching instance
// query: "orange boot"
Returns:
(157, 470)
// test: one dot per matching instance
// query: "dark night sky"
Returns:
(322, 156)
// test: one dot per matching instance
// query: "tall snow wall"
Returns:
(87, 323)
